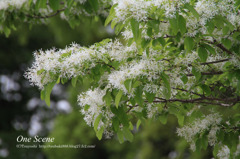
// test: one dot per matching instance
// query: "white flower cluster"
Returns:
(235, 60)
(92, 105)
(224, 152)
(140, 9)
(207, 10)
(209, 122)
(76, 60)
(237, 153)
(133, 70)
(5, 4)
(73, 61)
(94, 100)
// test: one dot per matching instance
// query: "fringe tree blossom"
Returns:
(199, 126)
(5, 4)
(224, 152)
(176, 57)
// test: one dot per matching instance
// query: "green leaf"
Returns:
(203, 54)
(238, 87)
(30, 2)
(136, 84)
(132, 101)
(120, 136)
(184, 78)
(7, 31)
(215, 150)
(149, 32)
(70, 3)
(210, 27)
(227, 43)
(58, 80)
(130, 125)
(192, 10)
(39, 72)
(108, 98)
(167, 90)
(96, 122)
(42, 95)
(74, 81)
(111, 15)
(138, 123)
(118, 98)
(180, 119)
(225, 30)
(115, 123)
(237, 3)
(47, 92)
(196, 73)
(113, 24)
(138, 96)
(155, 42)
(64, 80)
(100, 133)
(154, 25)
(174, 25)
(188, 44)
(220, 135)
(122, 116)
(128, 84)
(41, 4)
(182, 24)
(105, 59)
(163, 118)
(135, 30)
(127, 134)
(86, 107)
(198, 144)
(209, 48)
(119, 27)
(219, 21)
(206, 89)
(54, 4)
(162, 41)
(94, 4)
(204, 142)
(150, 96)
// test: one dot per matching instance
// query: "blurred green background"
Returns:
(23, 113)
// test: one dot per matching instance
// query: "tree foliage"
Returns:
(176, 57)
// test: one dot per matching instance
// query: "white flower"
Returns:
(5, 4)
(209, 122)
(224, 152)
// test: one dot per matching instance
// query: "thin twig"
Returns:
(208, 73)
(219, 45)
(46, 16)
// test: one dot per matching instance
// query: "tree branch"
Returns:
(207, 73)
(131, 107)
(180, 89)
(213, 62)
(46, 16)
(219, 46)
(227, 102)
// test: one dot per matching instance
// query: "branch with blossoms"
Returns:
(39, 11)
(174, 53)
